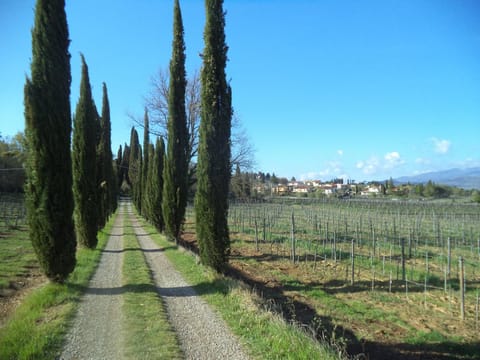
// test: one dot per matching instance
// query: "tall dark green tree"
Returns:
(155, 186)
(84, 164)
(236, 183)
(48, 126)
(125, 167)
(118, 167)
(100, 174)
(145, 162)
(211, 199)
(135, 168)
(105, 179)
(118, 160)
(147, 205)
(175, 191)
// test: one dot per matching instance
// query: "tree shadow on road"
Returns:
(155, 250)
(177, 291)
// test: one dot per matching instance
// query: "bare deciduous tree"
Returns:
(157, 105)
(243, 152)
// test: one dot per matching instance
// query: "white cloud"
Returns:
(422, 161)
(312, 175)
(375, 164)
(340, 152)
(392, 159)
(369, 166)
(392, 156)
(331, 170)
(441, 146)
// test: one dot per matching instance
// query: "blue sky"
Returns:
(356, 89)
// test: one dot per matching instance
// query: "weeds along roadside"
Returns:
(263, 333)
(38, 327)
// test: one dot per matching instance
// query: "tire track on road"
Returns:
(201, 332)
(97, 331)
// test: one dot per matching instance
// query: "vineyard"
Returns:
(12, 211)
(389, 271)
(399, 279)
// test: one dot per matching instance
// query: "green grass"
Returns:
(146, 317)
(17, 257)
(37, 328)
(423, 337)
(263, 333)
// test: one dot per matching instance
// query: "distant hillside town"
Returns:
(334, 187)
(258, 185)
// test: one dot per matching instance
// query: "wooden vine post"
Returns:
(449, 257)
(256, 234)
(292, 234)
(462, 287)
(353, 262)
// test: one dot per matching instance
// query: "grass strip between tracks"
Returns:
(263, 333)
(148, 332)
(37, 328)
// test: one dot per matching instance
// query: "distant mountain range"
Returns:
(463, 178)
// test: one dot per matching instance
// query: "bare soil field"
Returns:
(380, 323)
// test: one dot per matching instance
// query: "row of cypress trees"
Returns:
(213, 171)
(94, 183)
(69, 192)
(158, 177)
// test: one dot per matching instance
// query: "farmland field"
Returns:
(19, 269)
(12, 211)
(376, 277)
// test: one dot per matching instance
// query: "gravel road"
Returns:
(97, 328)
(202, 334)
(97, 331)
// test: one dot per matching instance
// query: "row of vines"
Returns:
(390, 246)
(12, 211)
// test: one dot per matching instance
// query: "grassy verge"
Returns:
(146, 317)
(38, 326)
(264, 334)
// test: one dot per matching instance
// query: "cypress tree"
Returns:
(84, 164)
(236, 183)
(211, 199)
(118, 166)
(125, 166)
(149, 186)
(48, 190)
(145, 162)
(175, 190)
(135, 168)
(156, 185)
(107, 184)
(100, 174)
